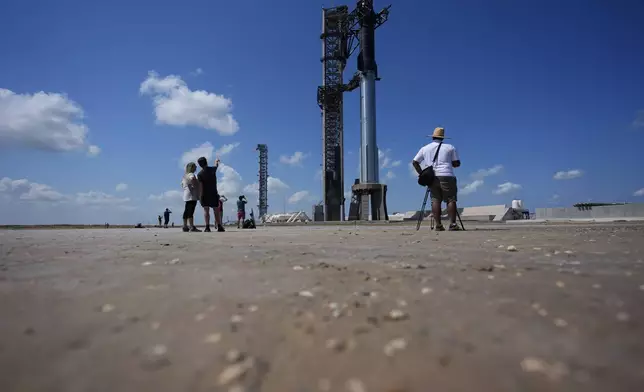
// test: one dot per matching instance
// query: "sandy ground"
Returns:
(367, 308)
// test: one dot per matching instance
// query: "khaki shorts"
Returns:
(444, 189)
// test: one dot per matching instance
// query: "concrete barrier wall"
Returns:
(618, 211)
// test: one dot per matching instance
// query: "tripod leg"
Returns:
(460, 220)
(422, 210)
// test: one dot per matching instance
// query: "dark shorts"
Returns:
(210, 201)
(189, 209)
(444, 189)
(241, 215)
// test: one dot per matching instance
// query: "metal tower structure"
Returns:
(263, 180)
(342, 33)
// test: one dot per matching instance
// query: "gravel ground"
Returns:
(323, 308)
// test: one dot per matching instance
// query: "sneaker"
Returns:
(193, 229)
(454, 227)
(207, 229)
(221, 229)
(186, 229)
(440, 228)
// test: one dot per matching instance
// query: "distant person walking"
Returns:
(190, 186)
(166, 217)
(241, 210)
(159, 217)
(443, 158)
(209, 195)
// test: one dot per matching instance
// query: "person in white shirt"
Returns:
(444, 188)
(190, 186)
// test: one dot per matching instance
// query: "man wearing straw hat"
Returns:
(443, 158)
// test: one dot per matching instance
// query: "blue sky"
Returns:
(524, 90)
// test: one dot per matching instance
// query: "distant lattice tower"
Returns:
(263, 179)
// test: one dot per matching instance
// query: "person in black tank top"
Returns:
(209, 195)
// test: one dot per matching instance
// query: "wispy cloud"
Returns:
(295, 159)
(507, 187)
(471, 187)
(639, 192)
(568, 174)
(482, 173)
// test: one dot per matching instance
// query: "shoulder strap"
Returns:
(436, 155)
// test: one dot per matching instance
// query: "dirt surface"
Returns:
(357, 309)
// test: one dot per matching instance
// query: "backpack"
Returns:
(427, 176)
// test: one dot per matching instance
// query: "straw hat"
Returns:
(439, 132)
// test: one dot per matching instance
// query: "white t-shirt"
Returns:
(190, 187)
(443, 166)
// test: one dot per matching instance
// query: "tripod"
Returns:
(431, 224)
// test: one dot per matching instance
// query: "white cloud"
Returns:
(226, 149)
(639, 119)
(568, 175)
(386, 162)
(121, 187)
(275, 185)
(45, 121)
(507, 187)
(482, 173)
(206, 150)
(471, 187)
(93, 150)
(554, 197)
(390, 175)
(299, 196)
(99, 198)
(230, 182)
(176, 104)
(295, 159)
(197, 71)
(168, 196)
(639, 192)
(29, 191)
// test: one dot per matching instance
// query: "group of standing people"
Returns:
(201, 187)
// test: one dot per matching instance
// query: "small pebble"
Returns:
(253, 308)
(490, 276)
(557, 252)
(402, 303)
(297, 268)
(355, 385)
(628, 273)
(158, 349)
(212, 338)
(532, 365)
(397, 315)
(536, 248)
(175, 261)
(560, 284)
(519, 274)
(543, 312)
(500, 246)
(427, 290)
(395, 345)
(147, 263)
(155, 326)
(569, 252)
(236, 319)
(107, 308)
(560, 322)
(234, 356)
(597, 286)
(623, 316)
(642, 287)
(337, 345)
(512, 248)
(305, 293)
(200, 316)
(234, 372)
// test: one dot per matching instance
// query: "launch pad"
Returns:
(342, 33)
